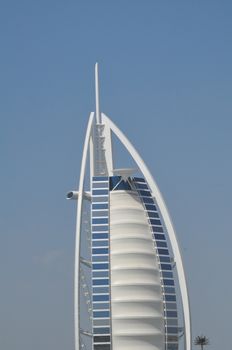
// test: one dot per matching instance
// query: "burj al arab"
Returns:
(130, 283)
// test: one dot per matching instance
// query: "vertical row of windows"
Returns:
(167, 280)
(100, 264)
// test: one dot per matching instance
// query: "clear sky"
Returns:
(166, 81)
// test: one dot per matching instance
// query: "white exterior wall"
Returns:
(136, 296)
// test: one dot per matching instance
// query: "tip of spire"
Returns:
(98, 115)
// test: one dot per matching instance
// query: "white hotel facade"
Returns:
(133, 279)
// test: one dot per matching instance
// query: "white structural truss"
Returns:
(132, 285)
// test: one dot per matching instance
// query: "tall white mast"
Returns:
(98, 114)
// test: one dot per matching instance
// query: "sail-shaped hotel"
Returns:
(130, 285)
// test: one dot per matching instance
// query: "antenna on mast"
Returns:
(98, 114)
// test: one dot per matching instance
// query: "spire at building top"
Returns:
(98, 113)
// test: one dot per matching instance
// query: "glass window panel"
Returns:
(101, 314)
(98, 258)
(101, 273)
(100, 221)
(101, 297)
(100, 236)
(101, 330)
(102, 339)
(172, 322)
(153, 214)
(101, 282)
(168, 282)
(100, 206)
(139, 179)
(166, 267)
(100, 290)
(98, 322)
(161, 244)
(142, 186)
(157, 229)
(164, 259)
(172, 346)
(155, 222)
(172, 330)
(99, 228)
(100, 266)
(172, 338)
(97, 199)
(100, 251)
(101, 346)
(99, 213)
(101, 306)
(163, 251)
(169, 290)
(159, 237)
(150, 207)
(167, 274)
(171, 313)
(148, 200)
(171, 306)
(101, 243)
(145, 193)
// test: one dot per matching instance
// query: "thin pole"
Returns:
(98, 114)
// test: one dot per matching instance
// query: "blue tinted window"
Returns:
(148, 200)
(100, 290)
(155, 222)
(139, 179)
(100, 266)
(145, 193)
(117, 184)
(100, 251)
(153, 214)
(159, 237)
(100, 221)
(170, 297)
(101, 297)
(166, 267)
(161, 244)
(101, 306)
(100, 206)
(98, 258)
(167, 274)
(172, 330)
(171, 306)
(100, 243)
(97, 199)
(169, 290)
(142, 186)
(171, 322)
(150, 207)
(101, 314)
(97, 192)
(168, 282)
(101, 330)
(171, 313)
(163, 251)
(164, 259)
(100, 273)
(100, 178)
(100, 228)
(100, 235)
(157, 229)
(101, 282)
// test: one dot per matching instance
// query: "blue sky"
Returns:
(166, 79)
